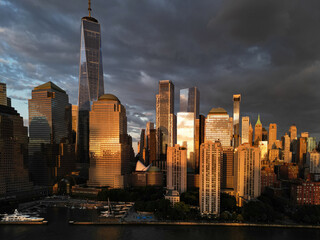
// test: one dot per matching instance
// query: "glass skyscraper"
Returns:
(236, 119)
(91, 85)
(189, 100)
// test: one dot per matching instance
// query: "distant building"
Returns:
(263, 145)
(272, 135)
(149, 176)
(236, 119)
(110, 146)
(74, 121)
(245, 130)
(313, 161)
(51, 149)
(199, 139)
(173, 196)
(177, 168)
(293, 133)
(3, 94)
(165, 121)
(287, 155)
(311, 144)
(211, 156)
(218, 127)
(227, 169)
(247, 173)
(190, 100)
(288, 171)
(268, 177)
(302, 151)
(250, 134)
(258, 132)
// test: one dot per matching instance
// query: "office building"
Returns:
(245, 124)
(190, 100)
(250, 134)
(199, 139)
(50, 132)
(227, 169)
(247, 173)
(91, 84)
(302, 151)
(110, 146)
(211, 157)
(14, 175)
(287, 155)
(293, 132)
(165, 121)
(218, 127)
(311, 144)
(236, 119)
(177, 168)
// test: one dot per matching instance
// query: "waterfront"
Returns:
(59, 228)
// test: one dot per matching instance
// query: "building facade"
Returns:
(236, 119)
(258, 132)
(245, 128)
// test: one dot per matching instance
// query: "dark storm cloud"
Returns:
(266, 50)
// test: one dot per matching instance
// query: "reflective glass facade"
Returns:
(236, 119)
(91, 85)
(186, 136)
(110, 148)
(189, 100)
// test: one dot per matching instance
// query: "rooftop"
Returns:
(49, 85)
(218, 111)
(108, 97)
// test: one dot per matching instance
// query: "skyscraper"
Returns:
(199, 139)
(236, 119)
(293, 132)
(211, 156)
(217, 127)
(91, 85)
(177, 168)
(165, 121)
(287, 155)
(247, 173)
(50, 125)
(109, 143)
(14, 177)
(258, 132)
(189, 100)
(250, 134)
(151, 142)
(245, 130)
(272, 135)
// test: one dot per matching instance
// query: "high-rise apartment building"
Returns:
(50, 127)
(211, 157)
(272, 135)
(165, 121)
(258, 132)
(14, 176)
(109, 143)
(177, 168)
(217, 127)
(91, 85)
(236, 119)
(227, 169)
(247, 173)
(245, 128)
(293, 132)
(190, 100)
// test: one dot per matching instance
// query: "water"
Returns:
(59, 229)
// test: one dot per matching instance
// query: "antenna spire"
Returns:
(89, 7)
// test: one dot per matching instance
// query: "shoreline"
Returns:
(199, 224)
(24, 223)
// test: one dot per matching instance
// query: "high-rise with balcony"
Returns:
(91, 85)
(165, 121)
(110, 146)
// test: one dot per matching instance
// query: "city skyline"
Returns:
(258, 60)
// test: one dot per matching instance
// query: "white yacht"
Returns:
(18, 217)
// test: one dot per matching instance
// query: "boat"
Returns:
(19, 217)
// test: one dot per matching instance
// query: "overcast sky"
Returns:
(269, 51)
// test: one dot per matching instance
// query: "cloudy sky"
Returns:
(267, 50)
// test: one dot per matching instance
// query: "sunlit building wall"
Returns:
(258, 132)
(287, 155)
(211, 156)
(313, 161)
(177, 168)
(186, 136)
(311, 144)
(217, 127)
(245, 130)
(165, 121)
(293, 132)
(263, 145)
(3, 94)
(247, 173)
(236, 119)
(199, 139)
(91, 84)
(109, 144)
